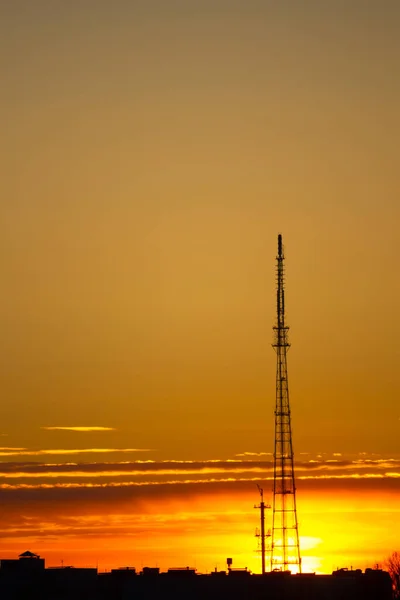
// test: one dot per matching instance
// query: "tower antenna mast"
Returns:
(285, 547)
(262, 534)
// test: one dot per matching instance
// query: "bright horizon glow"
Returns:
(215, 534)
(123, 517)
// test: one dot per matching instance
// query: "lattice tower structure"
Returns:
(285, 547)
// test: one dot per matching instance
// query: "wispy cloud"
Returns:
(254, 454)
(147, 471)
(59, 451)
(191, 482)
(80, 429)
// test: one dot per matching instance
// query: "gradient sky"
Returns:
(151, 150)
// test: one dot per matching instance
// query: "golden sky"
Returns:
(151, 150)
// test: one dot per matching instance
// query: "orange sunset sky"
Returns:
(151, 150)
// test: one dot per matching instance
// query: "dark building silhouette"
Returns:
(27, 562)
(26, 577)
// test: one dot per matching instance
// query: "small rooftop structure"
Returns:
(182, 572)
(27, 562)
(28, 554)
(239, 572)
(150, 571)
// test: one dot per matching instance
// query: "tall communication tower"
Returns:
(285, 548)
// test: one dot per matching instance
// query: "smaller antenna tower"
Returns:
(262, 506)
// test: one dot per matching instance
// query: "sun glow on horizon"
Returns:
(198, 527)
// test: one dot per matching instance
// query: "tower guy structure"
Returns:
(285, 548)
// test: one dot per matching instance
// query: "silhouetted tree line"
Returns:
(392, 565)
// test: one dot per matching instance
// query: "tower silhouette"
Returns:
(285, 548)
